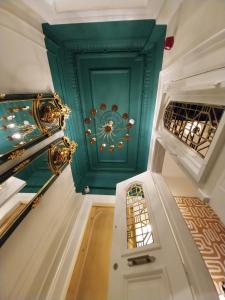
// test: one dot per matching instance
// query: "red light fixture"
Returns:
(169, 42)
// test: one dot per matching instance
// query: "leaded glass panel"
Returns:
(139, 229)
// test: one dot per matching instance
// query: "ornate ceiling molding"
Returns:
(66, 82)
(91, 46)
(47, 11)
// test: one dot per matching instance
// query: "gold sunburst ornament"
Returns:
(107, 128)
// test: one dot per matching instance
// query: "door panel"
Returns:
(142, 286)
(162, 276)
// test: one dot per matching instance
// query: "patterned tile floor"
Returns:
(208, 233)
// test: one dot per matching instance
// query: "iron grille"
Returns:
(193, 124)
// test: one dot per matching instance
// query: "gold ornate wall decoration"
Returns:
(27, 119)
(16, 154)
(60, 154)
(36, 201)
(49, 114)
(21, 165)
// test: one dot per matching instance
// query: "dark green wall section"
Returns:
(114, 63)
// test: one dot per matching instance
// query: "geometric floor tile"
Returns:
(208, 232)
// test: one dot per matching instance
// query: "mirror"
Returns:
(27, 119)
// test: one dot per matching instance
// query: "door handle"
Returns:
(140, 260)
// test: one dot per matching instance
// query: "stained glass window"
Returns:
(139, 229)
(193, 124)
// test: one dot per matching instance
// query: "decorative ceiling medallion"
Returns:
(108, 128)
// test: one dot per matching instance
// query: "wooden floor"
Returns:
(90, 276)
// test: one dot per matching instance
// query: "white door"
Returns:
(145, 264)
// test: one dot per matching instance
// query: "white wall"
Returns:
(194, 70)
(31, 256)
(178, 183)
(100, 199)
(193, 23)
(215, 185)
(23, 60)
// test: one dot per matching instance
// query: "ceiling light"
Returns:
(16, 136)
(108, 128)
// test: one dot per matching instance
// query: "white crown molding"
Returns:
(23, 12)
(41, 11)
(47, 12)
(80, 5)
(20, 27)
(167, 11)
(206, 56)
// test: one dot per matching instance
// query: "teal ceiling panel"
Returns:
(111, 63)
(104, 85)
(100, 31)
(112, 79)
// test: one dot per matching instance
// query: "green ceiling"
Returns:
(101, 31)
(111, 63)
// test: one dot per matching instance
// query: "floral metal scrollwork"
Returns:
(49, 114)
(60, 154)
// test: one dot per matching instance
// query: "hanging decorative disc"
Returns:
(108, 128)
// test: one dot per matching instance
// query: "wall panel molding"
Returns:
(10, 22)
(52, 16)
(205, 57)
(95, 46)
(42, 252)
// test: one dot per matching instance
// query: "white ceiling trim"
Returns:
(80, 5)
(160, 10)
(168, 10)
(46, 10)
